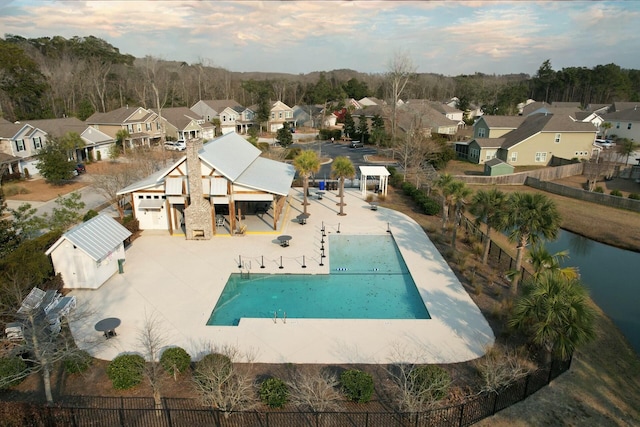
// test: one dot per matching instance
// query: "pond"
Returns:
(612, 276)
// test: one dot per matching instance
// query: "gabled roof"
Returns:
(237, 160)
(508, 122)
(496, 161)
(180, 117)
(631, 115)
(489, 142)
(371, 111)
(572, 105)
(98, 237)
(370, 101)
(423, 113)
(9, 130)
(8, 158)
(118, 116)
(92, 136)
(620, 106)
(58, 127)
(544, 123)
(220, 104)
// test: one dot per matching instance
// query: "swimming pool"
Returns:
(368, 280)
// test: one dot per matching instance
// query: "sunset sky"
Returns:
(444, 37)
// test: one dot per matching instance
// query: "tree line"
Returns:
(49, 77)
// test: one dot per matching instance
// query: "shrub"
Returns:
(78, 362)
(12, 190)
(98, 155)
(27, 175)
(263, 146)
(598, 189)
(11, 367)
(430, 379)
(634, 196)
(216, 363)
(616, 193)
(90, 214)
(292, 153)
(357, 385)
(430, 206)
(175, 360)
(126, 371)
(274, 393)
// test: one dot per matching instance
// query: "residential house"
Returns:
(542, 136)
(279, 114)
(225, 176)
(451, 113)
(495, 126)
(181, 123)
(210, 109)
(143, 126)
(421, 114)
(96, 144)
(307, 115)
(370, 101)
(23, 140)
(534, 141)
(624, 123)
(90, 253)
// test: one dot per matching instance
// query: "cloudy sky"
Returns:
(445, 37)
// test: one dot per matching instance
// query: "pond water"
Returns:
(612, 276)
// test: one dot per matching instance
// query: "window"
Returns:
(37, 143)
(618, 125)
(158, 127)
(20, 145)
(288, 114)
(224, 118)
(139, 127)
(541, 156)
(273, 115)
(475, 153)
(490, 155)
(557, 139)
(280, 115)
(130, 128)
(514, 157)
(481, 132)
(149, 126)
(629, 126)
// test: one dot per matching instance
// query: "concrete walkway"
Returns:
(177, 282)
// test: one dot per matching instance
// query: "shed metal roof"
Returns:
(97, 237)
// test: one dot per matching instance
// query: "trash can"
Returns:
(321, 186)
(121, 266)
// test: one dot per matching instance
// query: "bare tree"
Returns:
(502, 366)
(97, 72)
(221, 385)
(400, 70)
(43, 340)
(112, 180)
(152, 340)
(316, 391)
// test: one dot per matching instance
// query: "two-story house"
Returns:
(278, 115)
(22, 141)
(625, 123)
(487, 137)
(181, 123)
(143, 126)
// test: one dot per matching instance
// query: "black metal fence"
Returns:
(501, 258)
(80, 411)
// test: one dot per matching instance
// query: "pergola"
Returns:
(379, 172)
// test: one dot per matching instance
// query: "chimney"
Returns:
(198, 215)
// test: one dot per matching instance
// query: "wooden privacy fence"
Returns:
(124, 412)
(545, 174)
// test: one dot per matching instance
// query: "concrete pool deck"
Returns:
(177, 282)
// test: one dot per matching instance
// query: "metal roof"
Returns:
(268, 175)
(230, 155)
(97, 237)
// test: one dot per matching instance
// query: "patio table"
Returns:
(302, 218)
(284, 240)
(108, 326)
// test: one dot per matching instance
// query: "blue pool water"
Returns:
(368, 280)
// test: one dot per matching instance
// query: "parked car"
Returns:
(175, 145)
(605, 143)
(80, 168)
(356, 144)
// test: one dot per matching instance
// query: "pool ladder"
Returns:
(245, 272)
(275, 316)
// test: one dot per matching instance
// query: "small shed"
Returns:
(380, 172)
(495, 167)
(90, 253)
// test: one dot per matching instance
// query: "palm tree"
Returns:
(528, 217)
(626, 147)
(306, 163)
(442, 186)
(606, 126)
(542, 260)
(341, 169)
(459, 196)
(555, 311)
(488, 206)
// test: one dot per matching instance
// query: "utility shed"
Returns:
(495, 167)
(87, 255)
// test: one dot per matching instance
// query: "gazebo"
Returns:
(380, 172)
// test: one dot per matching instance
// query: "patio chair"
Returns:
(219, 221)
